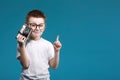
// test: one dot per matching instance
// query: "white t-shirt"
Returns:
(39, 53)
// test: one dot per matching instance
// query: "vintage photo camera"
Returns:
(25, 31)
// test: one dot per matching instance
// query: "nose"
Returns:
(37, 27)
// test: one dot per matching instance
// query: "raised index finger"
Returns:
(57, 39)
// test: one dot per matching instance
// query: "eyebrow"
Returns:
(37, 24)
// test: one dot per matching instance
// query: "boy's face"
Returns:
(37, 25)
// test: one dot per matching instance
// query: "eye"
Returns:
(40, 25)
(34, 25)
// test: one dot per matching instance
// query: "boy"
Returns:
(37, 54)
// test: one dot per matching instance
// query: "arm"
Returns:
(23, 57)
(54, 62)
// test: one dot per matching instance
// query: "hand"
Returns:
(57, 44)
(21, 39)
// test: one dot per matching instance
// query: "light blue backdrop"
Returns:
(89, 31)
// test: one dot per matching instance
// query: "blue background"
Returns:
(89, 32)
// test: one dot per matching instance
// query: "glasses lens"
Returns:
(34, 25)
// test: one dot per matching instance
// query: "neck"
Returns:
(35, 38)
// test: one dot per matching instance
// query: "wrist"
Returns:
(57, 51)
(21, 44)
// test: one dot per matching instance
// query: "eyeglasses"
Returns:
(34, 25)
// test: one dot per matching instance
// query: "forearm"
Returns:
(55, 61)
(23, 57)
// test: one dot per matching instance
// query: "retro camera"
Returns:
(25, 31)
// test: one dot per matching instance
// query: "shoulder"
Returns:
(45, 41)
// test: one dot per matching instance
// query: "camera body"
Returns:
(25, 31)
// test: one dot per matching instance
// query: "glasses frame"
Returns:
(34, 25)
